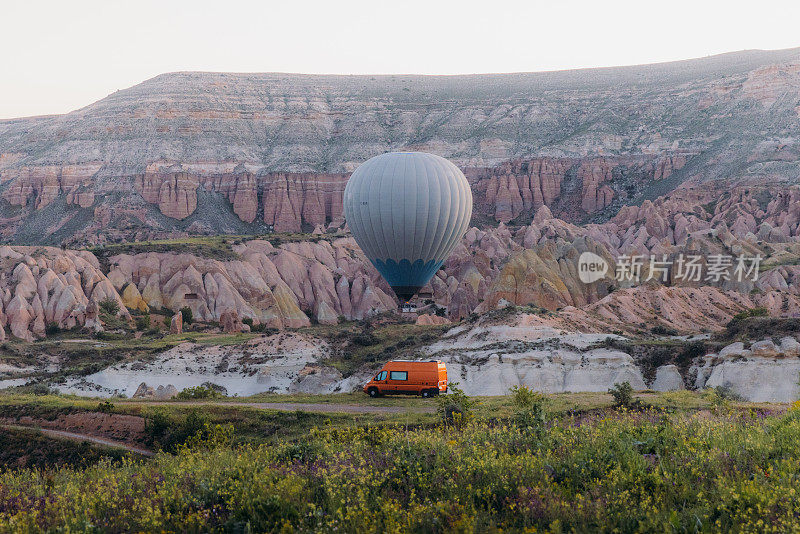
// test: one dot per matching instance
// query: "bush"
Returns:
(721, 398)
(40, 389)
(530, 413)
(199, 392)
(746, 314)
(106, 407)
(209, 437)
(143, 322)
(188, 317)
(600, 472)
(157, 424)
(661, 330)
(690, 351)
(164, 432)
(365, 339)
(109, 306)
(52, 329)
(261, 328)
(222, 390)
(623, 396)
(455, 408)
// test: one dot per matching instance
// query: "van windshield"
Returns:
(380, 376)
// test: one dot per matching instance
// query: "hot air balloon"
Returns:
(407, 212)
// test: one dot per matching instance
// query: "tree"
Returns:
(187, 314)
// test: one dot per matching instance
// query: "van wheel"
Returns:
(427, 393)
(373, 392)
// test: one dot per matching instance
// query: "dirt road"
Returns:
(63, 434)
(307, 407)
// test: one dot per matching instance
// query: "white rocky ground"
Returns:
(485, 358)
(490, 359)
(282, 363)
(765, 372)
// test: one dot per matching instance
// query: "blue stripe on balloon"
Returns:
(406, 273)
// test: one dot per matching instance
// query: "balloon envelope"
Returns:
(407, 212)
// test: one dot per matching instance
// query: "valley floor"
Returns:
(518, 463)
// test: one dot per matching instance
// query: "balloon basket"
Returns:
(408, 307)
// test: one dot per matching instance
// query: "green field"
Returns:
(682, 462)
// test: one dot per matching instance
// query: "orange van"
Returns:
(406, 377)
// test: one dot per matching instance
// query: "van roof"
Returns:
(416, 361)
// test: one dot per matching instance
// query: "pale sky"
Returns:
(58, 56)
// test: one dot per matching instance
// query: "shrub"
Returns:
(746, 314)
(143, 322)
(365, 339)
(188, 317)
(262, 328)
(156, 424)
(530, 413)
(690, 351)
(621, 472)
(721, 398)
(661, 330)
(106, 407)
(164, 432)
(110, 336)
(40, 389)
(209, 437)
(109, 306)
(727, 392)
(199, 392)
(52, 329)
(222, 390)
(623, 396)
(455, 408)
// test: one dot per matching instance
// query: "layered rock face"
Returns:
(201, 153)
(571, 187)
(294, 201)
(37, 186)
(698, 216)
(284, 202)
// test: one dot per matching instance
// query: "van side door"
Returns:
(398, 381)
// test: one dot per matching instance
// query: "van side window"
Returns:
(398, 375)
(381, 376)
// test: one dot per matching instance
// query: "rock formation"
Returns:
(176, 324)
(40, 286)
(428, 319)
(159, 393)
(279, 287)
(764, 372)
(231, 323)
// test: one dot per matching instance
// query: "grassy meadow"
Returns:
(675, 462)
